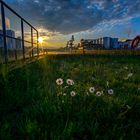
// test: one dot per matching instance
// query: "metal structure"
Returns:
(135, 42)
(70, 43)
(19, 50)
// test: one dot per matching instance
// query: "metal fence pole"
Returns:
(4, 33)
(37, 44)
(32, 41)
(22, 34)
(15, 50)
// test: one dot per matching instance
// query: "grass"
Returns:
(30, 107)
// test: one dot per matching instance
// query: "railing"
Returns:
(18, 38)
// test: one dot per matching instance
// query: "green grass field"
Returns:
(33, 106)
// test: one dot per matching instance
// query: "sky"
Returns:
(58, 20)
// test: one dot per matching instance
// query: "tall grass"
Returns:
(31, 106)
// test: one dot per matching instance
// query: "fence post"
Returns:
(22, 34)
(15, 50)
(4, 32)
(32, 41)
(37, 45)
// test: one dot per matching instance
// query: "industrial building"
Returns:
(7, 23)
(11, 43)
(110, 43)
(100, 43)
(126, 44)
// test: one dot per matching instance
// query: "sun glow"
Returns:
(40, 40)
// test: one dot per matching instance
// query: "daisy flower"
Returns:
(73, 93)
(110, 91)
(59, 81)
(70, 82)
(98, 93)
(91, 89)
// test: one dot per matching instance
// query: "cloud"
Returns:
(71, 16)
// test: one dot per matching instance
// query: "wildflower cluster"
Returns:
(91, 90)
(69, 82)
(99, 93)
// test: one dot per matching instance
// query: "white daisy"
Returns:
(110, 91)
(98, 93)
(59, 81)
(64, 94)
(91, 89)
(70, 82)
(73, 93)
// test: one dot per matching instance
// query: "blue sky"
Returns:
(57, 20)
